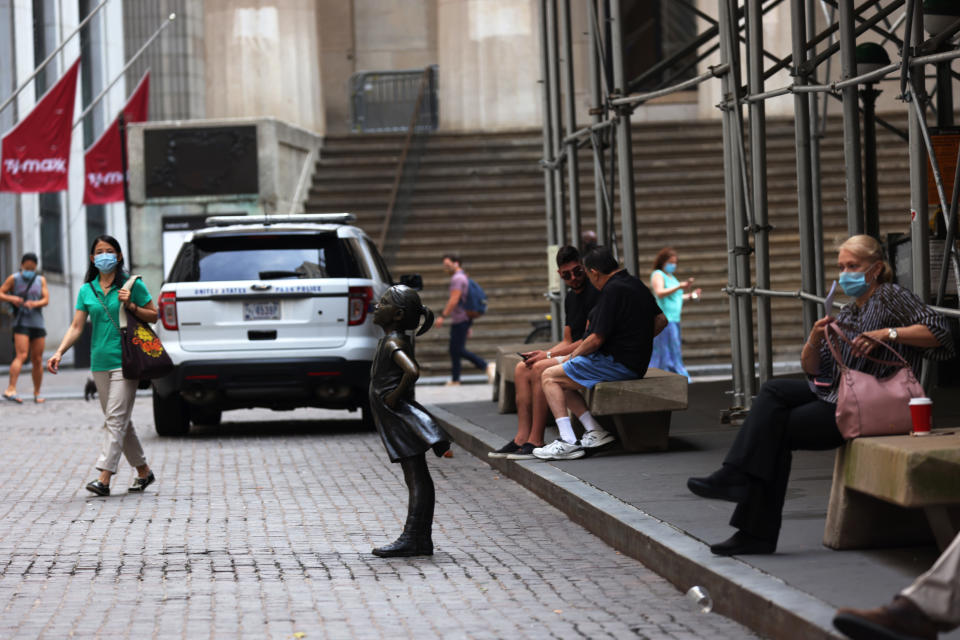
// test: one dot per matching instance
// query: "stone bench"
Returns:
(895, 491)
(638, 411)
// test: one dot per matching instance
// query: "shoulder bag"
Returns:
(871, 406)
(144, 357)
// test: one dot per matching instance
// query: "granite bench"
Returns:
(895, 491)
(638, 411)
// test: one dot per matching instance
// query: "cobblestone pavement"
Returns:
(262, 528)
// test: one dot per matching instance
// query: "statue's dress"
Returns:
(407, 430)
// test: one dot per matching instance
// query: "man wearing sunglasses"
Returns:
(617, 347)
(531, 403)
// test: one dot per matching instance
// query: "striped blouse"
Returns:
(890, 306)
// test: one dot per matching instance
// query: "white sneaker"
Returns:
(596, 438)
(559, 450)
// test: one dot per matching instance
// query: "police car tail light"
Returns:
(360, 299)
(168, 310)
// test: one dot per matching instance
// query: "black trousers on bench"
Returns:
(785, 417)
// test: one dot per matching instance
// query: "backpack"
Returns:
(475, 302)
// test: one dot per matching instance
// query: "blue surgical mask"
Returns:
(105, 262)
(28, 274)
(854, 283)
(670, 267)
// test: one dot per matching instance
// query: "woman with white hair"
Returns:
(792, 414)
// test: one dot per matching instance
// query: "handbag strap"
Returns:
(128, 285)
(103, 303)
(833, 327)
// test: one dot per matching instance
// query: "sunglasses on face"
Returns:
(576, 272)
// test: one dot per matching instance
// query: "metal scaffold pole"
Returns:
(570, 119)
(556, 138)
(851, 121)
(816, 199)
(919, 229)
(628, 222)
(548, 173)
(596, 103)
(801, 107)
(758, 160)
(729, 185)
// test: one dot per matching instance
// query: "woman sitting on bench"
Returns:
(790, 415)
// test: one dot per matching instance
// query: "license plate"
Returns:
(263, 310)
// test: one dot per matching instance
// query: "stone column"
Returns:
(262, 59)
(488, 53)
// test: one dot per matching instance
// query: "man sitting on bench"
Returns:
(617, 347)
(531, 403)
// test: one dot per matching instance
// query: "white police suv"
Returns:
(269, 311)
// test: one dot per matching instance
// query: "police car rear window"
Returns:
(266, 257)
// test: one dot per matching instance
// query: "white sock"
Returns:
(588, 422)
(566, 431)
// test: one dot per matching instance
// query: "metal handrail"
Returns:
(411, 128)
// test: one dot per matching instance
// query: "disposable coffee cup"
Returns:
(921, 412)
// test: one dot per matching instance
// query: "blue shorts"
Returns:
(596, 367)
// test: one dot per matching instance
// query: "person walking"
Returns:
(790, 415)
(100, 299)
(460, 322)
(670, 293)
(27, 291)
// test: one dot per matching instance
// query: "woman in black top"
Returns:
(790, 415)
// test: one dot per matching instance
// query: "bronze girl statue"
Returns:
(405, 427)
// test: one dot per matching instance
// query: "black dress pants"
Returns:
(785, 417)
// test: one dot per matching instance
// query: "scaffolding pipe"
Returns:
(586, 131)
(851, 122)
(628, 222)
(950, 255)
(803, 295)
(816, 200)
(802, 140)
(556, 143)
(597, 111)
(637, 98)
(741, 396)
(570, 121)
(548, 174)
(758, 160)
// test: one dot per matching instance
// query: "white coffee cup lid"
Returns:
(920, 401)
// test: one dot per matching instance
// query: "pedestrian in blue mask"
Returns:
(100, 298)
(670, 294)
(26, 291)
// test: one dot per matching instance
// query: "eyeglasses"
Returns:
(576, 272)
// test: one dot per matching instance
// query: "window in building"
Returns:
(51, 252)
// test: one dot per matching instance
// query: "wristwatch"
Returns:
(892, 334)
(548, 355)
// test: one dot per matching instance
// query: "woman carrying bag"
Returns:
(101, 298)
(27, 291)
(789, 415)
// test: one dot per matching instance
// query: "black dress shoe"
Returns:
(139, 484)
(899, 620)
(406, 546)
(743, 544)
(97, 487)
(725, 484)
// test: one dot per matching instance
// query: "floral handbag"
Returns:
(144, 357)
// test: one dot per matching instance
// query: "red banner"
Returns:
(103, 166)
(36, 153)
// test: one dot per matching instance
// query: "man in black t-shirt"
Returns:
(531, 403)
(617, 347)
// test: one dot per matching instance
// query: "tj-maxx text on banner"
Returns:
(35, 154)
(103, 168)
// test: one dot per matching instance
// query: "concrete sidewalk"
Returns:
(639, 504)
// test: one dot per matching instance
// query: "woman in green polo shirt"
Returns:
(99, 299)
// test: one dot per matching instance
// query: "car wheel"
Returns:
(209, 416)
(366, 418)
(170, 417)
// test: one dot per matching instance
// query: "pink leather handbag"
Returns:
(871, 406)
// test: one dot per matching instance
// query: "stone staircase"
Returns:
(482, 196)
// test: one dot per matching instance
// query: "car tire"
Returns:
(207, 416)
(170, 416)
(366, 418)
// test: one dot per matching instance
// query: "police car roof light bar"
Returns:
(317, 218)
